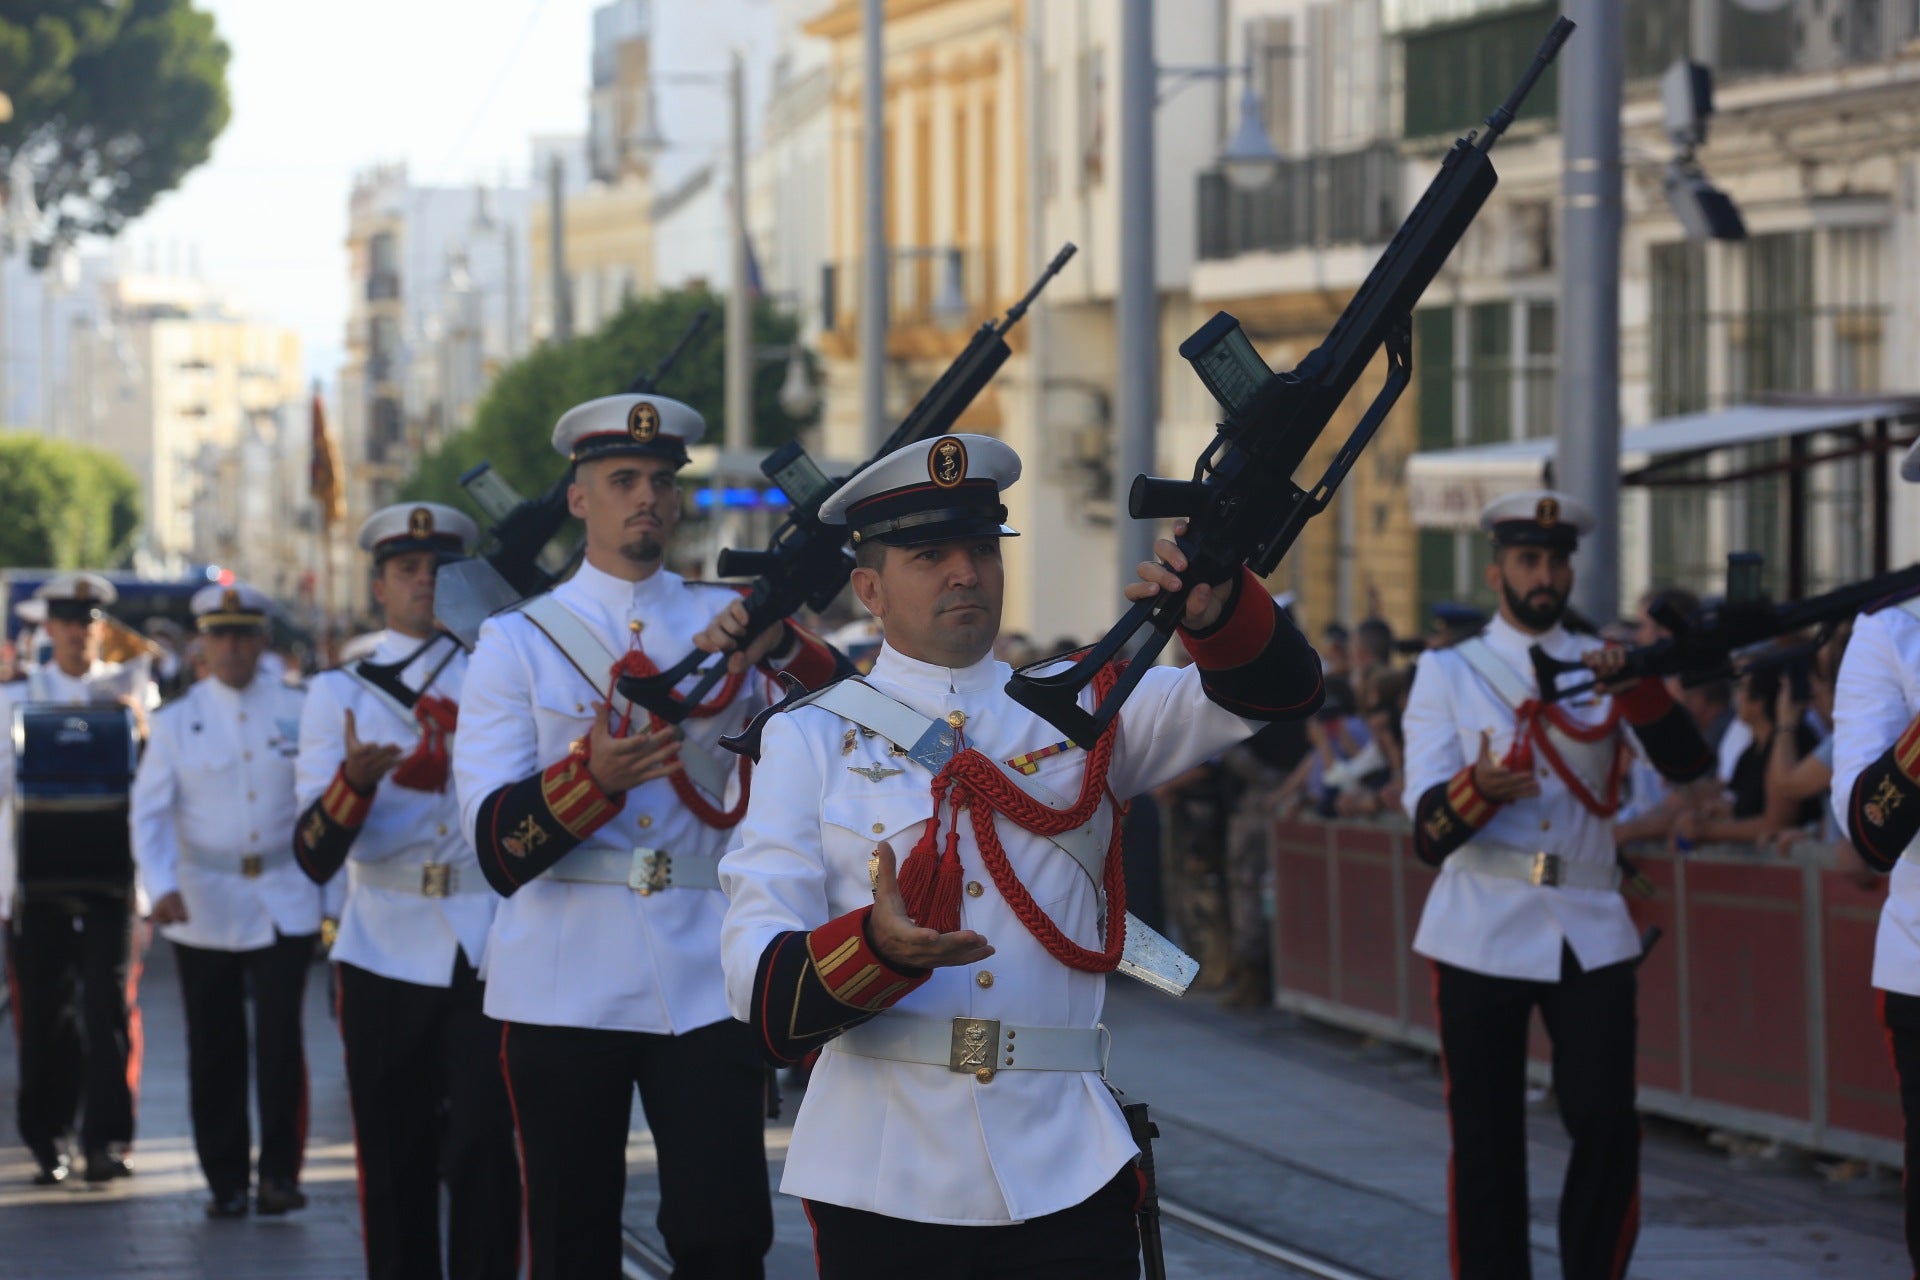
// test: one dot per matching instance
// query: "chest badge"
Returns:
(873, 772)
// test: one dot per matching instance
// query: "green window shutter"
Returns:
(1433, 376)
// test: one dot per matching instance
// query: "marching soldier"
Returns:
(213, 823)
(71, 926)
(957, 993)
(1876, 800)
(376, 744)
(602, 827)
(1512, 798)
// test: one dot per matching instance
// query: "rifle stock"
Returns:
(1242, 504)
(807, 562)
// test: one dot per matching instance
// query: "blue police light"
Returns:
(739, 498)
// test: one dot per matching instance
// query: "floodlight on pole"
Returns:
(949, 308)
(798, 396)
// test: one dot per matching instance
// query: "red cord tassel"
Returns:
(430, 764)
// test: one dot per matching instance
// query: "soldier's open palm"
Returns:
(367, 762)
(900, 941)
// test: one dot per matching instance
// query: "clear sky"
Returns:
(455, 88)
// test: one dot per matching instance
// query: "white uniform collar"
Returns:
(226, 694)
(1511, 640)
(897, 668)
(622, 597)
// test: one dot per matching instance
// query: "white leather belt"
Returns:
(428, 879)
(248, 865)
(980, 1047)
(645, 871)
(1550, 870)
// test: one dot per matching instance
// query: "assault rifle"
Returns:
(1709, 645)
(807, 562)
(1242, 504)
(468, 592)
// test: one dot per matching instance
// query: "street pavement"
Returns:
(1304, 1142)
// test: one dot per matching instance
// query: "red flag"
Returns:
(323, 472)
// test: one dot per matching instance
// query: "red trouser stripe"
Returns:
(807, 1208)
(1629, 1230)
(136, 1033)
(519, 1146)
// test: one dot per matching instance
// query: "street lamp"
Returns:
(798, 396)
(1250, 159)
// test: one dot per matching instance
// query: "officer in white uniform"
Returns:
(974, 1099)
(1513, 799)
(1876, 801)
(213, 824)
(71, 946)
(603, 829)
(375, 785)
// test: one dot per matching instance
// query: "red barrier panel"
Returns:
(1756, 1009)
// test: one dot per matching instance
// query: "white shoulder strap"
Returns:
(380, 695)
(576, 641)
(1489, 666)
(1910, 607)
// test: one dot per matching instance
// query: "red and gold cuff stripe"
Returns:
(851, 970)
(1906, 751)
(1242, 635)
(1465, 799)
(574, 799)
(342, 804)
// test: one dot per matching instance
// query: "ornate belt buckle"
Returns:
(252, 864)
(436, 880)
(972, 1050)
(1549, 869)
(652, 871)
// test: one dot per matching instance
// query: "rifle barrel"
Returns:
(1542, 59)
(1019, 308)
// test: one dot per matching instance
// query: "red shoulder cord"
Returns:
(426, 769)
(635, 662)
(1534, 717)
(930, 879)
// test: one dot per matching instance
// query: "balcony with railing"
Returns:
(1315, 201)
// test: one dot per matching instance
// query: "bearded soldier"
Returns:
(957, 1124)
(375, 782)
(1512, 798)
(603, 826)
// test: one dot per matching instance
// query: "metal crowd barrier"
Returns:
(1756, 1010)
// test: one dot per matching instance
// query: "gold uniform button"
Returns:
(249, 795)
(443, 828)
(984, 977)
(252, 836)
(579, 707)
(635, 626)
(646, 820)
(957, 719)
(246, 755)
(974, 889)
(984, 1075)
(1546, 825)
(878, 827)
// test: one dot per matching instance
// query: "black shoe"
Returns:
(104, 1166)
(228, 1206)
(276, 1198)
(53, 1172)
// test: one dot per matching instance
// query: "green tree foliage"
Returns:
(68, 506)
(513, 425)
(114, 101)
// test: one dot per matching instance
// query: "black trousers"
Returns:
(214, 986)
(1097, 1239)
(572, 1092)
(423, 1074)
(1483, 1044)
(1901, 1013)
(71, 961)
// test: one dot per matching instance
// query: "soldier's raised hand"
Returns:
(726, 634)
(367, 762)
(904, 944)
(1497, 782)
(1204, 602)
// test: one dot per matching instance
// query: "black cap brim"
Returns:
(1531, 533)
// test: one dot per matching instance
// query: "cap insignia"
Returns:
(1547, 512)
(230, 600)
(420, 523)
(83, 590)
(947, 462)
(643, 422)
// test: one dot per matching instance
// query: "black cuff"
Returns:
(321, 845)
(1883, 813)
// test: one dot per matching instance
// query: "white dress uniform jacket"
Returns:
(1486, 924)
(598, 955)
(216, 785)
(922, 1142)
(103, 682)
(391, 932)
(1876, 697)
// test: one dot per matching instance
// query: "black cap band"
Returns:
(1558, 536)
(619, 444)
(446, 545)
(925, 513)
(74, 610)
